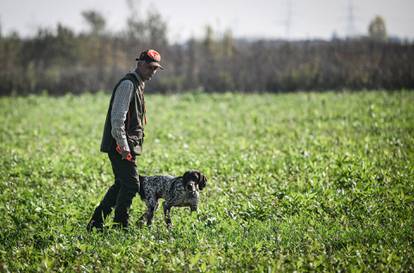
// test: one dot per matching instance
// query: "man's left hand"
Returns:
(126, 155)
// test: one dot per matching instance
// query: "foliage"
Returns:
(377, 29)
(60, 61)
(296, 182)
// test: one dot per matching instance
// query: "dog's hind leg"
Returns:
(152, 207)
(167, 217)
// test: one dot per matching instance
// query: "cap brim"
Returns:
(157, 65)
(152, 63)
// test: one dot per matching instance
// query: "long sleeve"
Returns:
(119, 111)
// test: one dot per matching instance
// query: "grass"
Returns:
(296, 182)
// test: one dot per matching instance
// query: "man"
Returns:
(122, 139)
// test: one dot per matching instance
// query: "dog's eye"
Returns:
(189, 187)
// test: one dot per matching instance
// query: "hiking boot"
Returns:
(94, 224)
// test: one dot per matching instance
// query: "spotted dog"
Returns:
(181, 191)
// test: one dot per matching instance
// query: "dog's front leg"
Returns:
(167, 218)
(193, 208)
(142, 219)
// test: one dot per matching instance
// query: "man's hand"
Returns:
(126, 155)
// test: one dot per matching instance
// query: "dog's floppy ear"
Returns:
(202, 181)
(187, 176)
(195, 176)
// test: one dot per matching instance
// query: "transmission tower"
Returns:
(350, 25)
(288, 22)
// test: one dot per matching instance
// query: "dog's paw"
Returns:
(140, 224)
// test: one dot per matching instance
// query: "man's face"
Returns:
(147, 70)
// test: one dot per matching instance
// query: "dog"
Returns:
(181, 191)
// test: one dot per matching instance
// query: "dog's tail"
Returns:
(141, 187)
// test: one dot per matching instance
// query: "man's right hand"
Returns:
(126, 155)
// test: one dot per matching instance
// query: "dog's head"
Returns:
(194, 180)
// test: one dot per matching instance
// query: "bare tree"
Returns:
(95, 21)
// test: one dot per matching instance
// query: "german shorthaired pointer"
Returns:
(182, 191)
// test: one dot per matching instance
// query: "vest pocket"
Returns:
(135, 140)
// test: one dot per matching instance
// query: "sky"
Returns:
(292, 19)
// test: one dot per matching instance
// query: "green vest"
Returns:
(134, 122)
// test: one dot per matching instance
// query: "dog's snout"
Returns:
(192, 190)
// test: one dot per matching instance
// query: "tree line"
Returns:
(59, 60)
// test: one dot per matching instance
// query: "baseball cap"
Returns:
(150, 56)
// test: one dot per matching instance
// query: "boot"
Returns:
(97, 220)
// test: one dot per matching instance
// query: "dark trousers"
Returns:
(120, 194)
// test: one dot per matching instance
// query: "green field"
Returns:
(305, 182)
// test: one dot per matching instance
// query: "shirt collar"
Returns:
(141, 82)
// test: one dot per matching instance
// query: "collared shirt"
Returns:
(120, 107)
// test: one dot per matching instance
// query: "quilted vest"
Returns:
(134, 122)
